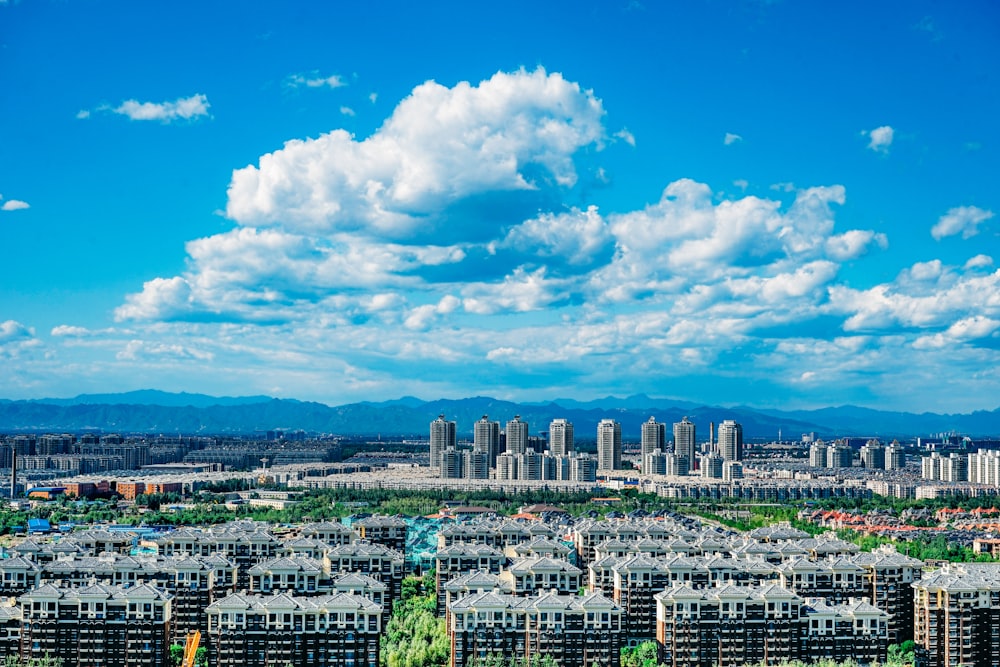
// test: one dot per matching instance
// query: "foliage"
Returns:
(414, 636)
(643, 655)
(900, 655)
(46, 661)
(499, 660)
(923, 547)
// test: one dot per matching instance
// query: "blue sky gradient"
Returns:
(779, 204)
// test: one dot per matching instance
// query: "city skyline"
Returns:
(343, 203)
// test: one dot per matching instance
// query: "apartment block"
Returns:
(576, 631)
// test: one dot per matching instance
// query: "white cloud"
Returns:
(12, 331)
(964, 220)
(14, 205)
(576, 237)
(731, 139)
(83, 114)
(314, 79)
(347, 111)
(880, 139)
(183, 108)
(854, 243)
(626, 136)
(741, 183)
(979, 262)
(440, 146)
(373, 97)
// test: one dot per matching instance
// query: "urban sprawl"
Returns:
(612, 547)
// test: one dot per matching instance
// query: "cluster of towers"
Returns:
(513, 449)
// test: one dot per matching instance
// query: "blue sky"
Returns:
(778, 204)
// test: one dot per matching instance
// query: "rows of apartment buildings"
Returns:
(321, 593)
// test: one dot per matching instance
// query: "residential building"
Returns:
(442, 437)
(654, 437)
(685, 445)
(731, 440)
(517, 436)
(609, 445)
(560, 437)
(486, 438)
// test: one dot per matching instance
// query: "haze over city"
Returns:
(772, 204)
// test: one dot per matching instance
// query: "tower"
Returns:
(654, 436)
(609, 445)
(684, 441)
(731, 440)
(442, 437)
(560, 437)
(486, 438)
(517, 435)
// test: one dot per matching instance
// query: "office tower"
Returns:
(560, 437)
(654, 436)
(486, 438)
(684, 441)
(609, 445)
(731, 440)
(517, 436)
(442, 437)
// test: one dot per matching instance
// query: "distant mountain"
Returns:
(161, 412)
(154, 397)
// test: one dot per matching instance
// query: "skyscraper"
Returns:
(731, 440)
(684, 441)
(609, 445)
(442, 437)
(560, 437)
(654, 436)
(517, 435)
(486, 438)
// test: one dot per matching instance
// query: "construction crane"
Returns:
(190, 648)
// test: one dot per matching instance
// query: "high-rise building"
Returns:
(452, 464)
(517, 436)
(654, 436)
(839, 455)
(560, 437)
(486, 438)
(684, 441)
(442, 437)
(475, 465)
(609, 445)
(731, 440)
(873, 455)
(895, 456)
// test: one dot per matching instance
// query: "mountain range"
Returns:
(151, 411)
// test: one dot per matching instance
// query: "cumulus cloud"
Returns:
(854, 243)
(964, 220)
(15, 338)
(14, 205)
(347, 111)
(927, 295)
(183, 108)
(880, 138)
(314, 79)
(452, 218)
(731, 139)
(512, 132)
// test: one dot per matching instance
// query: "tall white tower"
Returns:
(609, 445)
(517, 435)
(442, 437)
(560, 437)
(731, 440)
(654, 436)
(684, 441)
(486, 438)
